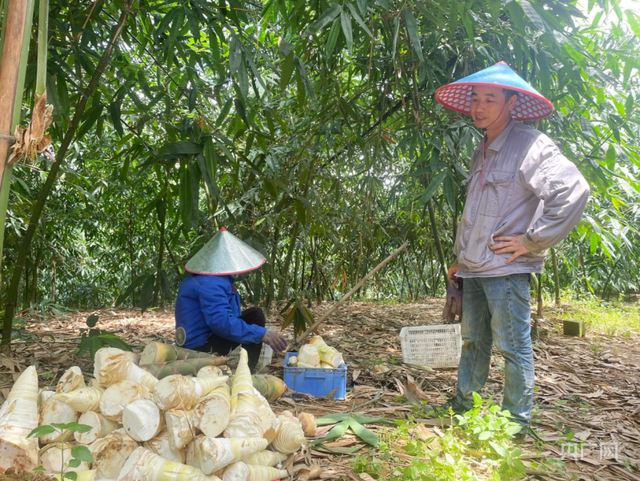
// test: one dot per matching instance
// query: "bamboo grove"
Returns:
(308, 128)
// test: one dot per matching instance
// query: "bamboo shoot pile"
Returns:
(180, 427)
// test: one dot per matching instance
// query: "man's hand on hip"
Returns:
(509, 245)
(276, 340)
(453, 270)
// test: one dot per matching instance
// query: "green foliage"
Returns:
(343, 423)
(79, 453)
(608, 318)
(92, 339)
(476, 446)
(310, 128)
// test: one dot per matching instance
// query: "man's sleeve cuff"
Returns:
(530, 245)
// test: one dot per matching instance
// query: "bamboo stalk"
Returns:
(348, 295)
(15, 49)
(12, 293)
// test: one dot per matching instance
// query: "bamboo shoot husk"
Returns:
(112, 365)
(161, 446)
(82, 400)
(181, 392)
(207, 371)
(265, 458)
(145, 465)
(213, 454)
(241, 471)
(180, 427)
(118, 395)
(187, 367)
(159, 352)
(309, 424)
(111, 452)
(211, 414)
(71, 380)
(289, 437)
(100, 427)
(54, 411)
(270, 387)
(327, 354)
(53, 456)
(18, 417)
(142, 420)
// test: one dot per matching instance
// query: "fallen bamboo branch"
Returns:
(347, 295)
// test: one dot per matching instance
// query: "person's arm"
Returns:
(214, 303)
(564, 192)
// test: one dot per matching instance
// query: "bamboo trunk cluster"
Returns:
(179, 427)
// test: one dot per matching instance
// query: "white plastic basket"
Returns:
(432, 346)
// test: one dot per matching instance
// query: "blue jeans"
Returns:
(498, 310)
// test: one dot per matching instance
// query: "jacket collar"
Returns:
(497, 144)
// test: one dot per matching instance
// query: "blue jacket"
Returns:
(209, 305)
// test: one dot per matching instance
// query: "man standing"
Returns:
(523, 197)
(208, 313)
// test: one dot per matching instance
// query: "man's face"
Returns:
(489, 106)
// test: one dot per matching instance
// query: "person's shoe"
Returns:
(457, 406)
(521, 437)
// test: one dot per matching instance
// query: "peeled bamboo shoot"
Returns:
(100, 427)
(161, 446)
(212, 454)
(18, 417)
(55, 458)
(265, 458)
(82, 400)
(207, 371)
(181, 392)
(327, 354)
(112, 365)
(290, 436)
(142, 420)
(145, 465)
(309, 355)
(180, 427)
(211, 414)
(118, 395)
(241, 471)
(54, 411)
(71, 380)
(187, 367)
(110, 453)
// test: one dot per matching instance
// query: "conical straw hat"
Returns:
(224, 255)
(531, 105)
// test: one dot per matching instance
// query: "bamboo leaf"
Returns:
(432, 188)
(363, 433)
(332, 38)
(412, 29)
(357, 18)
(146, 293)
(531, 13)
(325, 19)
(634, 23)
(114, 111)
(287, 70)
(345, 21)
(303, 76)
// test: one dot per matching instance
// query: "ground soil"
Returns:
(588, 389)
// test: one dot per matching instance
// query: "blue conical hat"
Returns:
(531, 105)
(225, 255)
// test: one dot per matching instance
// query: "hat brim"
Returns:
(225, 273)
(530, 105)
